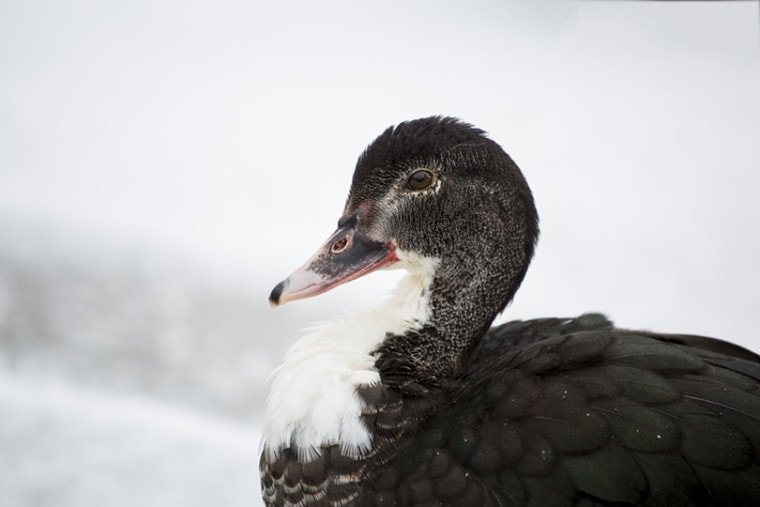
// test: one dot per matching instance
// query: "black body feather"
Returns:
(557, 412)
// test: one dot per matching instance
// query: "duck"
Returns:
(420, 401)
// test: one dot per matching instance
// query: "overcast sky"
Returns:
(224, 134)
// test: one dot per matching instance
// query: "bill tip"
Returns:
(274, 297)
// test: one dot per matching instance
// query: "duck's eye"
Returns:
(420, 180)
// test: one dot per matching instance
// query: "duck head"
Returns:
(439, 190)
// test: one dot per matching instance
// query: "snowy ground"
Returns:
(64, 444)
(123, 385)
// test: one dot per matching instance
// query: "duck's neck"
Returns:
(463, 301)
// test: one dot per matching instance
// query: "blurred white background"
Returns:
(163, 164)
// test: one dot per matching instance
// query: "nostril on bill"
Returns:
(339, 246)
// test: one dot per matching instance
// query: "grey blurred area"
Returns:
(125, 322)
(125, 379)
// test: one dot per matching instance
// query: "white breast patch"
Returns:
(313, 400)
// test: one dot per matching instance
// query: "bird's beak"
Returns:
(348, 254)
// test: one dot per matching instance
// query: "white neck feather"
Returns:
(313, 401)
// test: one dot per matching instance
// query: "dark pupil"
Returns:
(420, 180)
